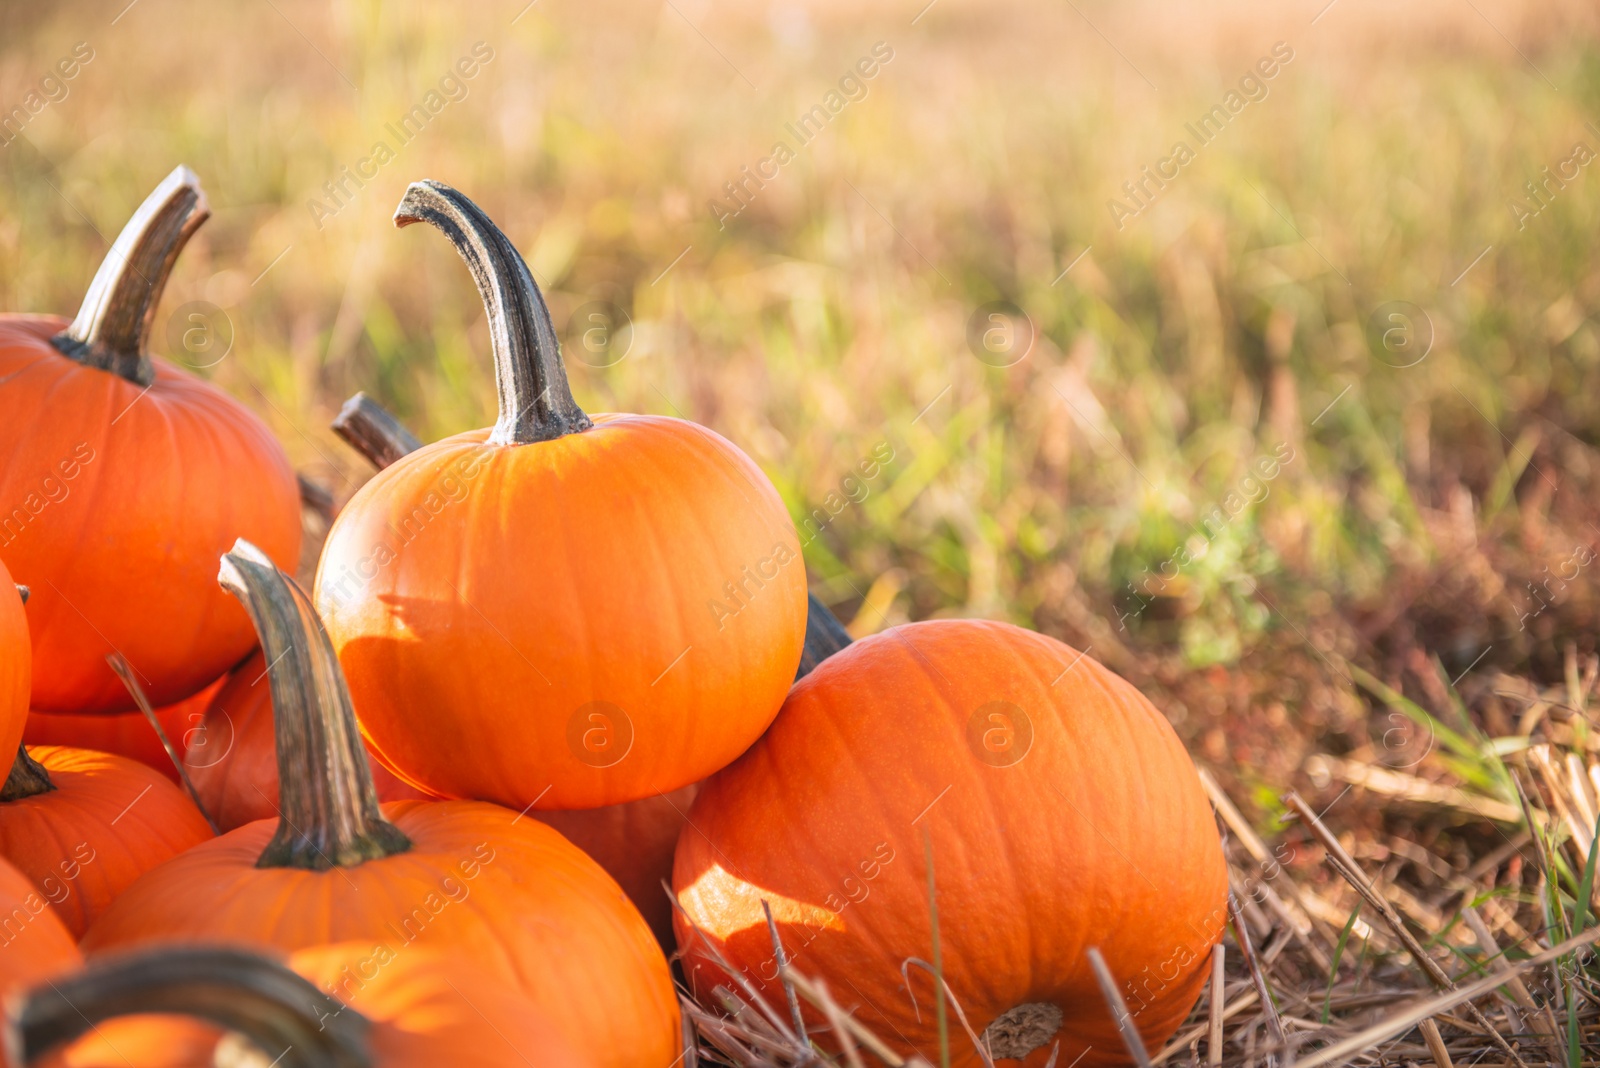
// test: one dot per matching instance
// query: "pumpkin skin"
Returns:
(604, 614)
(233, 757)
(427, 1007)
(625, 593)
(38, 946)
(108, 821)
(425, 1010)
(1074, 820)
(126, 734)
(16, 664)
(634, 843)
(480, 883)
(126, 559)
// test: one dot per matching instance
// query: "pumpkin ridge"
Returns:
(666, 577)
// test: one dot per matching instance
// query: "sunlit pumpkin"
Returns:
(1062, 813)
(597, 609)
(233, 756)
(83, 825)
(633, 840)
(126, 734)
(390, 1010)
(501, 892)
(125, 477)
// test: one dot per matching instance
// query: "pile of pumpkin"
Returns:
(430, 812)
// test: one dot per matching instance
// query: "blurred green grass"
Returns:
(832, 315)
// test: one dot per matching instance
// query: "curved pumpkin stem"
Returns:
(114, 320)
(370, 429)
(535, 400)
(328, 806)
(276, 1009)
(27, 779)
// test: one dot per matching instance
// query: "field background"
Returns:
(1424, 535)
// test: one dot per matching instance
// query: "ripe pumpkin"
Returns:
(16, 662)
(84, 825)
(126, 477)
(126, 734)
(389, 1010)
(1062, 813)
(598, 610)
(34, 943)
(233, 761)
(634, 840)
(506, 894)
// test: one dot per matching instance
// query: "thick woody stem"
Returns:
(27, 779)
(370, 429)
(535, 400)
(329, 808)
(113, 323)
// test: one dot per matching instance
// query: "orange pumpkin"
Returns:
(126, 734)
(598, 610)
(633, 842)
(233, 758)
(34, 943)
(506, 894)
(16, 662)
(126, 477)
(1062, 813)
(84, 825)
(418, 1008)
